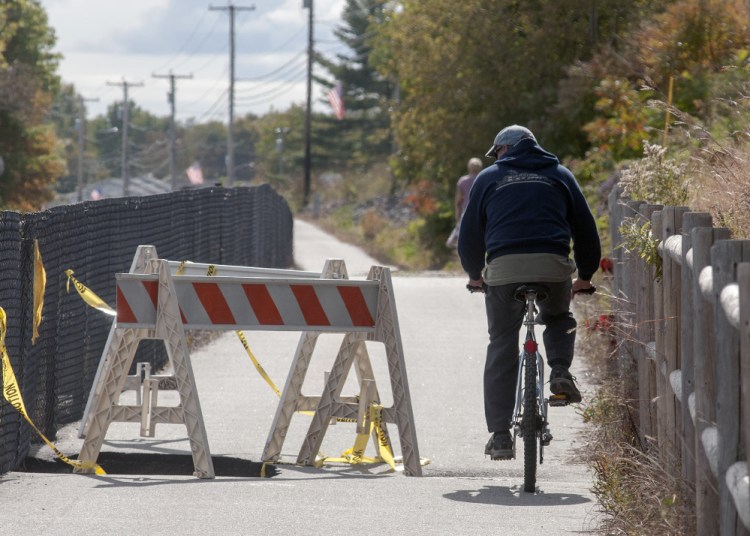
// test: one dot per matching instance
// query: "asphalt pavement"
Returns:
(443, 330)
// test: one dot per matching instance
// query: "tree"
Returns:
(363, 137)
(207, 144)
(28, 81)
(65, 116)
(466, 69)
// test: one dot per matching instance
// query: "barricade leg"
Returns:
(365, 374)
(143, 255)
(388, 332)
(330, 397)
(290, 397)
(169, 328)
(113, 375)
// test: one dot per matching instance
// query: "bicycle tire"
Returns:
(529, 424)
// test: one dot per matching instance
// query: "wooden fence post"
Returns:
(706, 490)
(627, 363)
(689, 221)
(671, 225)
(725, 256)
(659, 340)
(743, 278)
(645, 335)
(615, 220)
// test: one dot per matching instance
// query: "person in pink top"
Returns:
(463, 187)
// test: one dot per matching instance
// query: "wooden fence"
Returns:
(685, 354)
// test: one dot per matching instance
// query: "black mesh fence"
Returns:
(97, 239)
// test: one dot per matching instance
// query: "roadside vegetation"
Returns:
(650, 96)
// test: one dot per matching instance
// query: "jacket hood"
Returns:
(528, 154)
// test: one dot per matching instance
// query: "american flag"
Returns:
(195, 174)
(335, 97)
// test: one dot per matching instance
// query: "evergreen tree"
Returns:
(362, 138)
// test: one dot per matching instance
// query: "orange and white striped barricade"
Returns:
(159, 299)
(382, 326)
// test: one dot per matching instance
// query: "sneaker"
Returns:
(500, 446)
(562, 383)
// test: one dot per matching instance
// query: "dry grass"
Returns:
(723, 175)
(635, 493)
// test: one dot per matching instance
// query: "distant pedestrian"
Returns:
(463, 187)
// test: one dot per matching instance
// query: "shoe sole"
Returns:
(499, 454)
(496, 456)
(563, 386)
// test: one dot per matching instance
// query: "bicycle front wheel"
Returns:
(529, 424)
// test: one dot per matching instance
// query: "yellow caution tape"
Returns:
(88, 296)
(40, 284)
(12, 394)
(257, 364)
(355, 454)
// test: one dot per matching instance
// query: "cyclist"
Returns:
(523, 213)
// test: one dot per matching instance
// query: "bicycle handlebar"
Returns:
(473, 289)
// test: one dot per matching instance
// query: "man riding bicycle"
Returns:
(523, 213)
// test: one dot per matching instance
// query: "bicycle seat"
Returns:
(540, 290)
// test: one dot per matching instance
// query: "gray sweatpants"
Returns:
(504, 319)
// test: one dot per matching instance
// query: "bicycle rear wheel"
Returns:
(529, 424)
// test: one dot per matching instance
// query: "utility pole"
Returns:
(125, 118)
(81, 131)
(231, 8)
(308, 114)
(172, 129)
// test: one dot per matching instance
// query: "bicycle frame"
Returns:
(530, 350)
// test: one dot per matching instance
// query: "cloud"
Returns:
(110, 40)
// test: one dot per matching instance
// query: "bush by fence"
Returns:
(685, 354)
(241, 226)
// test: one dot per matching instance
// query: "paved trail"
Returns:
(444, 337)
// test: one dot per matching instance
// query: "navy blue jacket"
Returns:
(527, 202)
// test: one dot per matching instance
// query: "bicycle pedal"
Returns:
(557, 401)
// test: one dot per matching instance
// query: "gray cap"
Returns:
(510, 136)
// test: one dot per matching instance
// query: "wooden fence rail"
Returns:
(684, 354)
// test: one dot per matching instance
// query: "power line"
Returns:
(274, 90)
(213, 107)
(250, 92)
(275, 71)
(189, 38)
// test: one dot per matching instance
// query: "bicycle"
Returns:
(529, 418)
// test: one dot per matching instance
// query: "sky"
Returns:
(106, 42)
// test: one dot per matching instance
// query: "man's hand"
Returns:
(583, 286)
(476, 285)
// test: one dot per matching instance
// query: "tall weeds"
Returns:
(635, 493)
